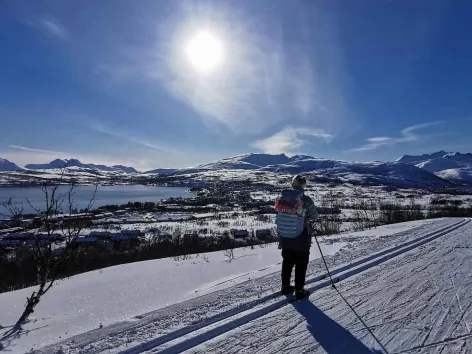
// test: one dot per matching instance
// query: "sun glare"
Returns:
(204, 51)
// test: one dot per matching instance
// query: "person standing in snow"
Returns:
(295, 210)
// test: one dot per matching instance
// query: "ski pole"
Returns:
(324, 261)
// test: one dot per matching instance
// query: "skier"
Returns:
(295, 210)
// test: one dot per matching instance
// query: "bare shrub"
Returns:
(229, 254)
(60, 221)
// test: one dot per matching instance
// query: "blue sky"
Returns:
(113, 81)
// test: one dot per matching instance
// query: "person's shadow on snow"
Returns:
(332, 337)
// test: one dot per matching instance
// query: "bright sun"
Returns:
(204, 51)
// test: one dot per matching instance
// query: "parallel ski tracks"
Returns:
(219, 324)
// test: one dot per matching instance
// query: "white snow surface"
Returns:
(457, 174)
(419, 302)
(437, 165)
(104, 297)
(140, 301)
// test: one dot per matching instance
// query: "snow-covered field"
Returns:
(154, 304)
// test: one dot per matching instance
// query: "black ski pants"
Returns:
(300, 261)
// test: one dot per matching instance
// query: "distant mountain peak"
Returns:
(6, 165)
(453, 166)
(420, 158)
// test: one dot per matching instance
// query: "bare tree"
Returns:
(13, 211)
(229, 254)
(60, 225)
(330, 223)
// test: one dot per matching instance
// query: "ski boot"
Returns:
(300, 294)
(287, 289)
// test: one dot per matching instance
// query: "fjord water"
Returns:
(106, 195)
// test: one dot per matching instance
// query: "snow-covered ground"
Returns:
(159, 301)
(419, 302)
(104, 297)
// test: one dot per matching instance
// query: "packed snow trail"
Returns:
(121, 297)
(227, 323)
(418, 302)
(167, 321)
(242, 315)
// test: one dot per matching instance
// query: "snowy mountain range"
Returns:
(59, 163)
(437, 169)
(455, 166)
(371, 173)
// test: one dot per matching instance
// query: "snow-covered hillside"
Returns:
(407, 282)
(245, 162)
(367, 173)
(454, 167)
(60, 163)
(6, 165)
(383, 173)
(414, 159)
(240, 162)
(161, 171)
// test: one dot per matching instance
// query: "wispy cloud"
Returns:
(24, 148)
(261, 81)
(409, 134)
(115, 133)
(50, 26)
(258, 82)
(291, 139)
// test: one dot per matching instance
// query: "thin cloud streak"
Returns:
(54, 28)
(291, 139)
(105, 130)
(50, 26)
(24, 148)
(409, 134)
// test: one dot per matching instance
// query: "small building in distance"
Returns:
(264, 234)
(132, 233)
(22, 236)
(50, 237)
(238, 234)
(101, 235)
(85, 239)
(9, 243)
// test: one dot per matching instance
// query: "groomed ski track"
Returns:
(419, 302)
(203, 331)
(226, 322)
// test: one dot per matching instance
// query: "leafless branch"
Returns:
(60, 213)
